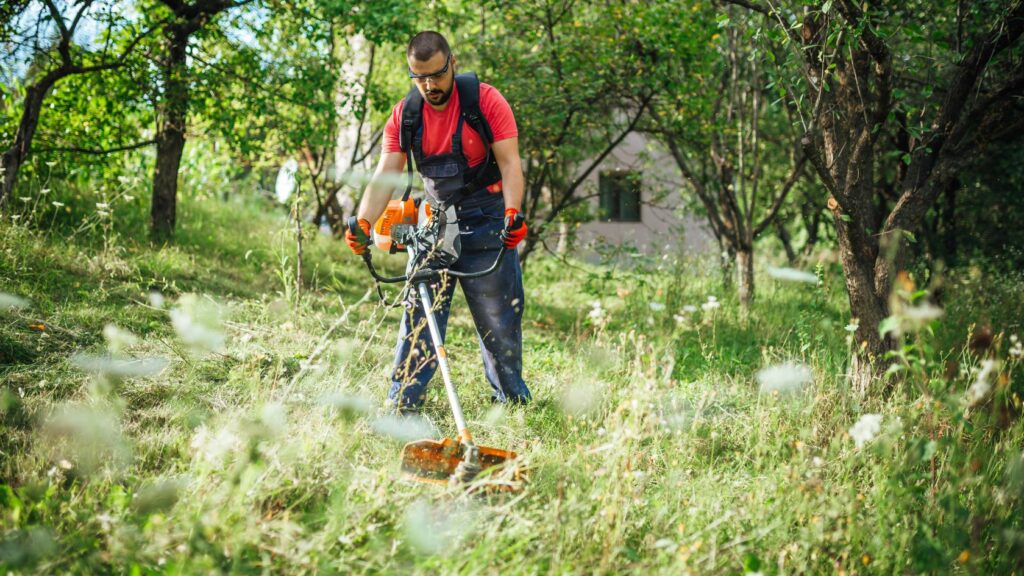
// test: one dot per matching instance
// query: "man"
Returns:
(485, 185)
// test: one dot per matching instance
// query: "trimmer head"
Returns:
(438, 461)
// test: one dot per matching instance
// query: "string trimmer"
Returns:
(431, 239)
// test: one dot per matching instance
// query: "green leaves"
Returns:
(890, 324)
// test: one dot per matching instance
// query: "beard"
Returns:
(439, 97)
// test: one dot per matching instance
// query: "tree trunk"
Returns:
(745, 276)
(949, 228)
(527, 246)
(563, 238)
(812, 224)
(787, 241)
(15, 156)
(727, 258)
(868, 288)
(170, 140)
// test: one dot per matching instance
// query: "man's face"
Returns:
(431, 77)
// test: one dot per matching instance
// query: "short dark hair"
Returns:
(424, 45)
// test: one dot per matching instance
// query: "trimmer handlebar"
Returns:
(419, 275)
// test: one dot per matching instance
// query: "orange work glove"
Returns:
(358, 238)
(515, 228)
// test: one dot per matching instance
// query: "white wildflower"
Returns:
(214, 446)
(347, 406)
(118, 367)
(102, 206)
(784, 378)
(344, 349)
(656, 306)
(679, 319)
(118, 339)
(982, 385)
(128, 198)
(274, 418)
(495, 416)
(711, 304)
(158, 496)
(197, 324)
(866, 429)
(57, 204)
(922, 314)
(25, 198)
(582, 398)
(666, 544)
(404, 428)
(435, 529)
(689, 309)
(852, 327)
(156, 299)
(792, 275)
(44, 191)
(10, 302)
(596, 311)
(51, 163)
(85, 437)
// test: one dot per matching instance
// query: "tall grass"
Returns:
(176, 409)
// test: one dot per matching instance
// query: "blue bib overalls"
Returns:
(496, 301)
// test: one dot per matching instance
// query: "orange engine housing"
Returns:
(397, 212)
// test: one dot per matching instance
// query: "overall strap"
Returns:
(457, 138)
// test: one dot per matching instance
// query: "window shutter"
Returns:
(609, 202)
(629, 198)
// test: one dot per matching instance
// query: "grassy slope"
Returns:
(651, 449)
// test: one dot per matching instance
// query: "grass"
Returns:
(650, 446)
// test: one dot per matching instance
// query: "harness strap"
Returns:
(487, 172)
(468, 85)
(412, 119)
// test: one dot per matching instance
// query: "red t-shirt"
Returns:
(439, 127)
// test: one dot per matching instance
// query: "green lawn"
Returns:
(650, 445)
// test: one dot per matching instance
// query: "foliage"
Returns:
(579, 77)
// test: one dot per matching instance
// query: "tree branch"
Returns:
(369, 149)
(97, 151)
(570, 190)
(933, 160)
(794, 177)
(698, 187)
(877, 47)
(1012, 89)
(614, 143)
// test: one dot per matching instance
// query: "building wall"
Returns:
(663, 227)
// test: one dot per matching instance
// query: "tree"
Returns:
(56, 60)
(875, 109)
(580, 79)
(172, 108)
(305, 70)
(747, 159)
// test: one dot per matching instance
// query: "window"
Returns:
(620, 196)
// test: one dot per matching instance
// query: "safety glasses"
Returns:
(432, 75)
